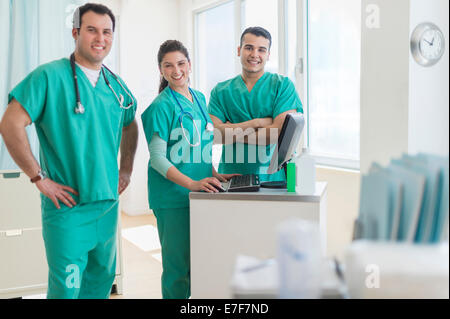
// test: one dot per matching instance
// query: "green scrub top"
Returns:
(231, 101)
(196, 162)
(77, 150)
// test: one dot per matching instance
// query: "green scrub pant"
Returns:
(80, 244)
(173, 230)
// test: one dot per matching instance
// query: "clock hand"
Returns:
(432, 42)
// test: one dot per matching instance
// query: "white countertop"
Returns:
(264, 194)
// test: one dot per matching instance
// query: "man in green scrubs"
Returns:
(249, 110)
(78, 174)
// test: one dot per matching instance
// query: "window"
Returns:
(334, 31)
(215, 52)
(215, 46)
(33, 33)
(261, 13)
(292, 39)
(315, 43)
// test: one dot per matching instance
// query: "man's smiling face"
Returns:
(254, 53)
(95, 37)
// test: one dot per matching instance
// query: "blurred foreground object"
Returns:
(397, 270)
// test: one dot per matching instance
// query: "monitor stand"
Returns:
(276, 184)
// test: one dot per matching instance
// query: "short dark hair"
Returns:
(259, 32)
(95, 7)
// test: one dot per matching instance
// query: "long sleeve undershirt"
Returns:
(158, 155)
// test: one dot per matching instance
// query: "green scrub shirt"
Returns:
(77, 150)
(231, 101)
(161, 117)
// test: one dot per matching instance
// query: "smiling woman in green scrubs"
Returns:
(179, 133)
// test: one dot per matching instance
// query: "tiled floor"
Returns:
(141, 255)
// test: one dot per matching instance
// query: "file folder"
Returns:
(407, 201)
(413, 190)
(440, 225)
(374, 207)
(395, 199)
(431, 172)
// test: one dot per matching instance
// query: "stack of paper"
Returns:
(406, 201)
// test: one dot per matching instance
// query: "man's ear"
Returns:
(75, 33)
(239, 51)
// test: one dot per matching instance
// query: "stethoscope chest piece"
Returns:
(79, 109)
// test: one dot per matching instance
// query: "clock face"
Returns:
(427, 44)
(431, 44)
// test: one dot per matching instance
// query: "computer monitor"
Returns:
(288, 141)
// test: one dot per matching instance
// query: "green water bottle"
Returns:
(291, 176)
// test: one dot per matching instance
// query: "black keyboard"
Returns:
(244, 183)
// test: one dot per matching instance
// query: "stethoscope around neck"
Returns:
(79, 108)
(209, 126)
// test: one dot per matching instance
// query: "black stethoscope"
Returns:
(209, 126)
(79, 108)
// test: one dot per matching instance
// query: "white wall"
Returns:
(384, 82)
(404, 106)
(186, 26)
(428, 87)
(342, 207)
(114, 5)
(145, 25)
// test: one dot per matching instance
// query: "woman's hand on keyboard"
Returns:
(209, 185)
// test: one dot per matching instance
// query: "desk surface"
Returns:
(264, 194)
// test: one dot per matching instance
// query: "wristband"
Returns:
(41, 175)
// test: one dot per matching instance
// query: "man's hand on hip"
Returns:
(57, 192)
